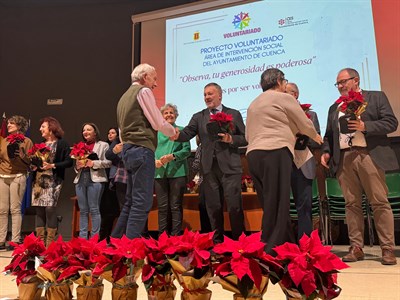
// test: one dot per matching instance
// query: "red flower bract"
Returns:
(350, 103)
(23, 262)
(80, 151)
(192, 248)
(244, 257)
(311, 266)
(224, 121)
(38, 149)
(15, 138)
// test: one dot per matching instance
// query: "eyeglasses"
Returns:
(343, 82)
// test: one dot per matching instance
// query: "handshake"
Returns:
(176, 136)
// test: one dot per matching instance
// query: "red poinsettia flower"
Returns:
(38, 149)
(352, 103)
(15, 138)
(66, 259)
(306, 108)
(80, 151)
(192, 248)
(23, 262)
(246, 179)
(245, 256)
(191, 184)
(224, 121)
(157, 262)
(311, 267)
(121, 257)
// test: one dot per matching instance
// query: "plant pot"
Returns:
(59, 291)
(162, 288)
(89, 292)
(240, 297)
(120, 292)
(30, 291)
(343, 122)
(11, 149)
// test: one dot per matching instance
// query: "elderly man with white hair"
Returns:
(139, 119)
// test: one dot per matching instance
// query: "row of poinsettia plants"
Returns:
(305, 271)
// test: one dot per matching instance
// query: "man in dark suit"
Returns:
(359, 161)
(220, 162)
(302, 178)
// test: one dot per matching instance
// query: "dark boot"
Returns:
(51, 235)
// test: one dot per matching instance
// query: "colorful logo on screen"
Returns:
(241, 21)
(196, 36)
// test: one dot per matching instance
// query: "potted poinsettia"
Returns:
(310, 269)
(244, 268)
(23, 265)
(14, 140)
(38, 154)
(157, 273)
(189, 256)
(121, 264)
(69, 262)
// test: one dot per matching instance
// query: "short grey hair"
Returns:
(352, 72)
(170, 105)
(139, 71)
(21, 123)
(270, 78)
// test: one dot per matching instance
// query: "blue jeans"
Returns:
(89, 195)
(139, 162)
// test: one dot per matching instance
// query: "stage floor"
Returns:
(364, 280)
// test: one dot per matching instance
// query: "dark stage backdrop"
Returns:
(75, 50)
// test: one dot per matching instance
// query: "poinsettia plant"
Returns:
(244, 267)
(80, 151)
(306, 108)
(310, 268)
(23, 259)
(189, 256)
(247, 182)
(224, 120)
(157, 273)
(39, 153)
(353, 103)
(192, 186)
(68, 261)
(124, 257)
(15, 138)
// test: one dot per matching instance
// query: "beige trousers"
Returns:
(358, 174)
(11, 193)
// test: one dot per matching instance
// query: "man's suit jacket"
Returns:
(379, 121)
(227, 154)
(309, 168)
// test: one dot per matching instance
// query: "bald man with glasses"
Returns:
(359, 160)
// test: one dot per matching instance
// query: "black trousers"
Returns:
(232, 191)
(302, 194)
(169, 192)
(271, 171)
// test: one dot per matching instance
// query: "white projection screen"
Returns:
(232, 42)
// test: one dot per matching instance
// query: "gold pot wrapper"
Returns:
(240, 297)
(202, 294)
(124, 292)
(86, 279)
(162, 288)
(193, 289)
(47, 275)
(30, 291)
(126, 280)
(291, 294)
(62, 291)
(89, 292)
(230, 283)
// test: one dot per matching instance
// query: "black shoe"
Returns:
(2, 246)
(10, 248)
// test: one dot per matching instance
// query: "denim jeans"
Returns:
(89, 195)
(139, 162)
